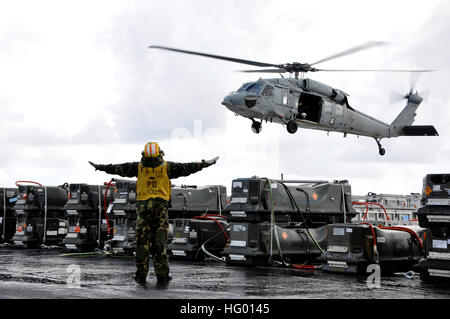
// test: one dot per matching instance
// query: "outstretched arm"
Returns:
(175, 170)
(125, 170)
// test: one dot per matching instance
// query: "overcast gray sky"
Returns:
(78, 83)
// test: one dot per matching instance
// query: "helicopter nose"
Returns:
(227, 101)
(233, 100)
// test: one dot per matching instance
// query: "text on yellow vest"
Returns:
(153, 182)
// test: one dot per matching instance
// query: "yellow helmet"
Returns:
(152, 149)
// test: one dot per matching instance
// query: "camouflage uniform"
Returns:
(152, 225)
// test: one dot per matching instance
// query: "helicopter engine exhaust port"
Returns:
(256, 126)
(250, 101)
(292, 127)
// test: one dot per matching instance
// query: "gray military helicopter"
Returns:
(309, 104)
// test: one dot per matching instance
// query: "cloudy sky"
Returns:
(78, 83)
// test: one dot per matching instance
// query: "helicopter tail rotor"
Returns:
(397, 97)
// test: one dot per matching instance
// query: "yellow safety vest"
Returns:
(153, 182)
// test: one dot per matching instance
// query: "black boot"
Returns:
(141, 281)
(164, 280)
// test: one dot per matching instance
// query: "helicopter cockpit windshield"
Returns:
(251, 87)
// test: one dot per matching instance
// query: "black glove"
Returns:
(211, 161)
(95, 165)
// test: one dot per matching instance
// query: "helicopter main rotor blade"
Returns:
(364, 46)
(249, 62)
(373, 70)
(264, 71)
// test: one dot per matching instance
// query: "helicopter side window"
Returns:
(285, 96)
(268, 90)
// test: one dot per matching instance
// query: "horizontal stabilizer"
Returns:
(420, 130)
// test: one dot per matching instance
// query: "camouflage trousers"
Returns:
(152, 229)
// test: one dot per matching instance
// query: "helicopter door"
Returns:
(339, 114)
(327, 117)
(310, 107)
(288, 101)
(333, 114)
(284, 96)
(287, 98)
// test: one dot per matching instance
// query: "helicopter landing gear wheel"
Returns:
(256, 127)
(381, 150)
(292, 127)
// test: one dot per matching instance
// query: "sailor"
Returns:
(153, 189)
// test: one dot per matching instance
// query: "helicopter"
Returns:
(302, 102)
